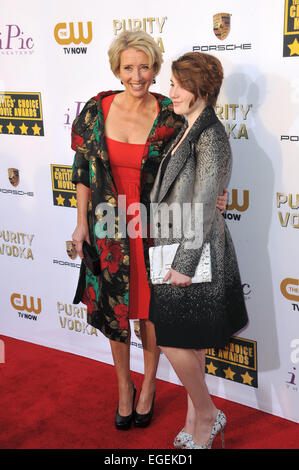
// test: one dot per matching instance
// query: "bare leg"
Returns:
(121, 358)
(151, 354)
(188, 367)
(191, 414)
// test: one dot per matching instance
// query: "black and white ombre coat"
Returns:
(206, 314)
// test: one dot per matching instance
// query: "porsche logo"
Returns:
(13, 176)
(221, 25)
(71, 249)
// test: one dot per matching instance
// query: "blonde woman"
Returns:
(119, 138)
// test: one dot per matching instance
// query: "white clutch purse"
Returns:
(161, 258)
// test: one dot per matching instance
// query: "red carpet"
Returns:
(55, 400)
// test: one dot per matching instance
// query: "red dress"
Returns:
(125, 161)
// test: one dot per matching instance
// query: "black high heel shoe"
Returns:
(143, 420)
(124, 422)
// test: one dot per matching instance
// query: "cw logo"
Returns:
(66, 35)
(235, 201)
(21, 304)
(290, 289)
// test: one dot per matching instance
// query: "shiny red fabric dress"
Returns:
(125, 161)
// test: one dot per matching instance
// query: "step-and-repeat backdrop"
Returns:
(53, 58)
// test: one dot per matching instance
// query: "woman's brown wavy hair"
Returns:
(199, 73)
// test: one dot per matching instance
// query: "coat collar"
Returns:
(178, 159)
(97, 129)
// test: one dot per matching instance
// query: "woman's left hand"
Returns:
(177, 279)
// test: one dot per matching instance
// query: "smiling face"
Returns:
(135, 72)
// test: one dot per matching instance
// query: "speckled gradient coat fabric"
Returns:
(205, 314)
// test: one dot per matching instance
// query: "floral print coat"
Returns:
(107, 295)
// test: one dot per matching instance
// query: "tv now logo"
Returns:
(69, 34)
(21, 303)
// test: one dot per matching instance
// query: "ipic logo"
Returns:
(236, 204)
(73, 33)
(14, 41)
(73, 112)
(22, 304)
(291, 382)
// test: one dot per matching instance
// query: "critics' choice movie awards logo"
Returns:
(288, 213)
(28, 307)
(16, 244)
(21, 114)
(74, 318)
(13, 40)
(291, 29)
(151, 25)
(221, 25)
(74, 36)
(289, 287)
(14, 179)
(236, 362)
(64, 191)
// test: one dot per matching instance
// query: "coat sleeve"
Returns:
(212, 168)
(81, 129)
(80, 170)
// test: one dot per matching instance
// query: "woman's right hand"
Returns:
(80, 234)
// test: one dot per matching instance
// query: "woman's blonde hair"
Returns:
(138, 40)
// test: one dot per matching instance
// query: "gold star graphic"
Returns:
(73, 202)
(247, 379)
(11, 128)
(36, 129)
(211, 368)
(294, 47)
(60, 200)
(1, 129)
(23, 128)
(229, 374)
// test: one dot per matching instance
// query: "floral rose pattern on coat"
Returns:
(107, 295)
(111, 255)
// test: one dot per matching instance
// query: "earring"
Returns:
(121, 82)
(154, 80)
